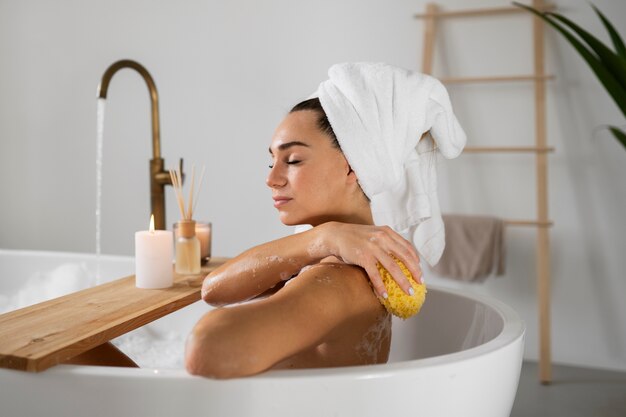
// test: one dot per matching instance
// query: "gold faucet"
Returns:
(159, 178)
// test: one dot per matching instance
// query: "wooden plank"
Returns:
(534, 223)
(494, 79)
(43, 335)
(543, 246)
(487, 11)
(429, 39)
(504, 149)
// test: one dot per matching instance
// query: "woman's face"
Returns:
(309, 178)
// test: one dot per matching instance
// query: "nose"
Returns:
(275, 178)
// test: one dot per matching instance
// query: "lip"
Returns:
(280, 201)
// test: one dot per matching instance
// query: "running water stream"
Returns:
(99, 147)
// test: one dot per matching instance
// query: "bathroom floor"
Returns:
(574, 392)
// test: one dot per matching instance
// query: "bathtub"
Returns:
(461, 356)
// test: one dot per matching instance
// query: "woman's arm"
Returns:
(250, 338)
(262, 267)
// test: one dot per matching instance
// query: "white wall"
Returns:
(228, 71)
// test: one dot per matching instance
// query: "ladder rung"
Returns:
(497, 79)
(486, 149)
(479, 12)
(537, 223)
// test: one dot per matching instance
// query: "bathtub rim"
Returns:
(513, 331)
(76, 255)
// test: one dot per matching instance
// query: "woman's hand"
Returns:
(366, 245)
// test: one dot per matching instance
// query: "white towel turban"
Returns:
(379, 113)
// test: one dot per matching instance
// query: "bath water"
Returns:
(99, 149)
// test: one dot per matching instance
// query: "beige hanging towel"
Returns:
(474, 248)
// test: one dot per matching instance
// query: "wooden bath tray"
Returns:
(43, 335)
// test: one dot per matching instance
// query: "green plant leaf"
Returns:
(615, 37)
(619, 135)
(613, 62)
(614, 88)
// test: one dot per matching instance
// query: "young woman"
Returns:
(323, 311)
(341, 162)
(328, 314)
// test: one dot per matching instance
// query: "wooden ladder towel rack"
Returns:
(540, 149)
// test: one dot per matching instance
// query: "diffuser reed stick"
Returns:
(195, 200)
(174, 175)
(186, 210)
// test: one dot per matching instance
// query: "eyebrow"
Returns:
(284, 146)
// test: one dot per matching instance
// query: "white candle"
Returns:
(153, 258)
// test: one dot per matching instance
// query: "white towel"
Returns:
(379, 113)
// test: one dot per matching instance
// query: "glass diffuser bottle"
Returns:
(187, 244)
(187, 248)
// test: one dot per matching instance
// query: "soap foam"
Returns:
(369, 346)
(41, 286)
(314, 249)
(275, 258)
(150, 348)
(307, 267)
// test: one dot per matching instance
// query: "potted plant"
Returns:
(608, 65)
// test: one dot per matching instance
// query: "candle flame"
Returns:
(152, 223)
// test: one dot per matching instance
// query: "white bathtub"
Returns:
(461, 356)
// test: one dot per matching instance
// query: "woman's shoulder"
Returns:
(332, 270)
(334, 284)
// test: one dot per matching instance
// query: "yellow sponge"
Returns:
(400, 303)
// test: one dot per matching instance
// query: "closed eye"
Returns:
(292, 162)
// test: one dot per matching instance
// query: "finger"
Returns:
(406, 252)
(420, 275)
(407, 246)
(407, 258)
(396, 273)
(397, 239)
(390, 242)
(376, 280)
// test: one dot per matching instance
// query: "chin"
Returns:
(290, 219)
(296, 221)
(291, 222)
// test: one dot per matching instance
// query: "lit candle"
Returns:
(153, 258)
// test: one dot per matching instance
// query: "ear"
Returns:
(350, 174)
(352, 179)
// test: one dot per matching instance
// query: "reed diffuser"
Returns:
(187, 244)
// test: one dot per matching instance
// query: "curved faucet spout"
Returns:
(159, 177)
(154, 96)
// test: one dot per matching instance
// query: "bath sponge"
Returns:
(400, 303)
